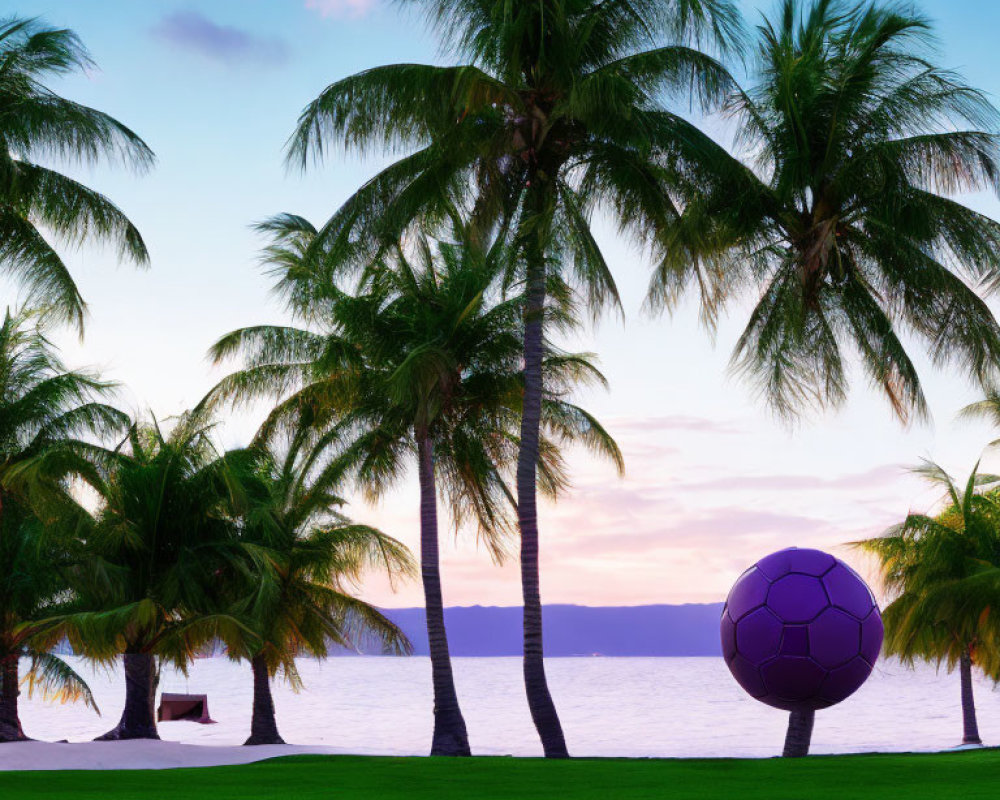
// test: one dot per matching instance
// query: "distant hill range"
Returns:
(660, 630)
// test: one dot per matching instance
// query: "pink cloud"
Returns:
(613, 530)
(674, 422)
(341, 8)
(673, 530)
(885, 475)
(623, 543)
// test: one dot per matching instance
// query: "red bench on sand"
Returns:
(189, 707)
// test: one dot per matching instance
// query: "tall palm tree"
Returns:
(426, 362)
(854, 137)
(50, 421)
(943, 573)
(558, 107)
(158, 550)
(302, 559)
(36, 122)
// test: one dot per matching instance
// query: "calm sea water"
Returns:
(610, 707)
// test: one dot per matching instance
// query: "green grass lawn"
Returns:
(968, 775)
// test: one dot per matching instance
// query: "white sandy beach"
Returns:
(40, 756)
(139, 755)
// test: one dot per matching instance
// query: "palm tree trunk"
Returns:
(450, 736)
(970, 727)
(543, 710)
(10, 721)
(10, 690)
(263, 725)
(799, 735)
(138, 720)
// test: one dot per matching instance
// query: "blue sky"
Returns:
(713, 481)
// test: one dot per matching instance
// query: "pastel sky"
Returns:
(713, 481)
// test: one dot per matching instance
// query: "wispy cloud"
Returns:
(341, 8)
(621, 520)
(700, 502)
(193, 31)
(884, 475)
(674, 422)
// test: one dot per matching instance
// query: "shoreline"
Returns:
(660, 708)
(146, 754)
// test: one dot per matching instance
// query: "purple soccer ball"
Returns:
(801, 630)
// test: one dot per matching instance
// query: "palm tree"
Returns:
(557, 108)
(158, 553)
(36, 122)
(44, 411)
(425, 362)
(987, 409)
(854, 138)
(302, 558)
(943, 573)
